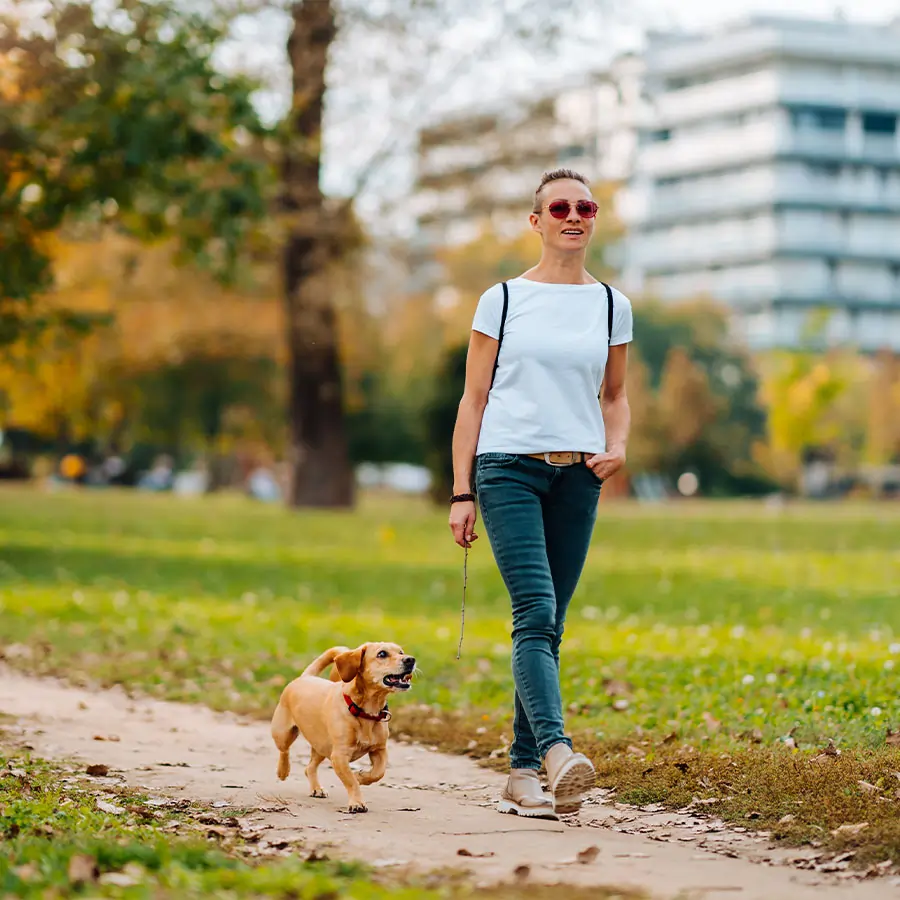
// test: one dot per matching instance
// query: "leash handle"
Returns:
(462, 619)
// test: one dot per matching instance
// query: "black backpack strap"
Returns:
(502, 326)
(611, 306)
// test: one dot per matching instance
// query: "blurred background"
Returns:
(241, 243)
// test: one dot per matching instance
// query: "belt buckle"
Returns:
(559, 465)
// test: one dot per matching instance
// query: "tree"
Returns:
(118, 114)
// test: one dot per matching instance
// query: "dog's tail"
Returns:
(318, 666)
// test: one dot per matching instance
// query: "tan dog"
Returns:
(344, 718)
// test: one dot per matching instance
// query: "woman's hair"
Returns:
(556, 175)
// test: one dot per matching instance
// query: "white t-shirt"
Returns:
(551, 365)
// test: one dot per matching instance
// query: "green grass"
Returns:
(728, 625)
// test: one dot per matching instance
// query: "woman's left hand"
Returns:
(606, 464)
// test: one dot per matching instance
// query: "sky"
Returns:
(618, 28)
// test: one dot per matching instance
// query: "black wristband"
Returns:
(462, 498)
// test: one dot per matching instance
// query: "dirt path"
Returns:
(428, 808)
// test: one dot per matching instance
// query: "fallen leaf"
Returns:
(670, 738)
(588, 855)
(520, 873)
(221, 804)
(17, 773)
(867, 787)
(82, 704)
(850, 830)
(616, 688)
(712, 723)
(111, 808)
(463, 852)
(118, 879)
(44, 830)
(892, 737)
(753, 815)
(98, 770)
(786, 820)
(28, 872)
(636, 751)
(316, 855)
(109, 737)
(82, 869)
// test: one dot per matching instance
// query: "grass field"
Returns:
(707, 632)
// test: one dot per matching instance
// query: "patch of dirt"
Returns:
(432, 811)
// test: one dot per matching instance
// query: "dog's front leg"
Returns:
(340, 762)
(376, 771)
(312, 773)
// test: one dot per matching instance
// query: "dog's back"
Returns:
(300, 709)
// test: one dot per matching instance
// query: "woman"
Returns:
(541, 447)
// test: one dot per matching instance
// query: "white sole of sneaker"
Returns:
(513, 809)
(576, 779)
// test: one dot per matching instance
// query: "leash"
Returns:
(462, 619)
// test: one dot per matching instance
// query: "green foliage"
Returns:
(384, 427)
(118, 113)
(722, 455)
(440, 419)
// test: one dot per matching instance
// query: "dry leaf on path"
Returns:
(850, 830)
(588, 855)
(520, 873)
(463, 852)
(111, 808)
(97, 770)
(892, 737)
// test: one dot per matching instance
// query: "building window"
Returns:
(572, 151)
(879, 123)
(820, 118)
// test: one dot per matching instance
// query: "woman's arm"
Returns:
(479, 369)
(616, 414)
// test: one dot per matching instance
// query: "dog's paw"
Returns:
(358, 808)
(319, 794)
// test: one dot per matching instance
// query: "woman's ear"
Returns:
(349, 664)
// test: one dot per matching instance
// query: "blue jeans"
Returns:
(539, 520)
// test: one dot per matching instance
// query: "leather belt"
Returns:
(561, 457)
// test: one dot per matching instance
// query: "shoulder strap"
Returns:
(610, 307)
(502, 326)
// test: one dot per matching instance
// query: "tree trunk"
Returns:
(321, 474)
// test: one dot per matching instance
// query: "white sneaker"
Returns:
(523, 796)
(571, 776)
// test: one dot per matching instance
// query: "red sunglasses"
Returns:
(559, 209)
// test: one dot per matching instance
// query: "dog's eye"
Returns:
(382, 654)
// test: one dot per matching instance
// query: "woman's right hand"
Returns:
(462, 523)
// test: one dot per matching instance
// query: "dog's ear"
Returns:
(349, 664)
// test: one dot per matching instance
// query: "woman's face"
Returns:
(572, 233)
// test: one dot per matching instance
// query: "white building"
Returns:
(771, 178)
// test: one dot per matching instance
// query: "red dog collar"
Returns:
(362, 714)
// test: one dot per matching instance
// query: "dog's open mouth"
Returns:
(398, 682)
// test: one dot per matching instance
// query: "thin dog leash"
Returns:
(462, 619)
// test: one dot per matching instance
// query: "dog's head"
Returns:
(378, 665)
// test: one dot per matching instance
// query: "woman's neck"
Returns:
(568, 269)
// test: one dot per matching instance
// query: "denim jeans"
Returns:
(539, 519)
